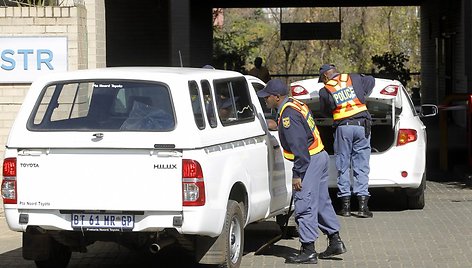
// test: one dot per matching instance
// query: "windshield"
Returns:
(104, 105)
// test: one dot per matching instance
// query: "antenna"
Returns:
(180, 57)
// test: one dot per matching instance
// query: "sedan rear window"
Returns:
(104, 105)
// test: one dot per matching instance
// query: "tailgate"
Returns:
(100, 179)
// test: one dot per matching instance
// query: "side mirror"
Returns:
(427, 110)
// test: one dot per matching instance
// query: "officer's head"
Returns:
(273, 93)
(326, 72)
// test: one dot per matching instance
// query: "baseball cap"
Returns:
(273, 87)
(324, 68)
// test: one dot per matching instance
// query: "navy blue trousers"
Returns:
(352, 150)
(313, 207)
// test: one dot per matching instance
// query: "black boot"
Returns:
(307, 255)
(335, 247)
(345, 206)
(364, 211)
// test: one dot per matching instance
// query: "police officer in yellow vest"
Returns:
(301, 143)
(344, 96)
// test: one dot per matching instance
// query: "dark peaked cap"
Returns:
(274, 87)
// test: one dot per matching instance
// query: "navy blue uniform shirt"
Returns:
(295, 137)
(362, 84)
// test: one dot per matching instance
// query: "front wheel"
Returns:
(233, 235)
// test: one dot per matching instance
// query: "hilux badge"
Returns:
(165, 166)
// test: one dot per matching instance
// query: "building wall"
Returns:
(138, 34)
(96, 33)
(162, 33)
(85, 32)
(201, 34)
(443, 50)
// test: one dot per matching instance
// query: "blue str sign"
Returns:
(102, 222)
(23, 59)
(39, 56)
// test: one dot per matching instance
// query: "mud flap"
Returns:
(209, 250)
(36, 246)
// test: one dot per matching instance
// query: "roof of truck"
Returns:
(148, 73)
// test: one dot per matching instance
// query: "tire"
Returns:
(233, 235)
(415, 197)
(59, 256)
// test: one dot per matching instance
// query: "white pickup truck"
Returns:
(145, 157)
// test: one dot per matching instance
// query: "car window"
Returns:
(379, 109)
(268, 113)
(104, 105)
(233, 102)
(196, 104)
(208, 102)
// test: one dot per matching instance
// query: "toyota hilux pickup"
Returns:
(145, 157)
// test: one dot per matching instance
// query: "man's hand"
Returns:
(271, 124)
(297, 184)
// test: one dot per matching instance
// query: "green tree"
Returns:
(240, 35)
(366, 32)
(392, 66)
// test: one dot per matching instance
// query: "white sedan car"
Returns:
(398, 138)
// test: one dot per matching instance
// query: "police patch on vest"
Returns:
(286, 122)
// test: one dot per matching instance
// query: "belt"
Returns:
(356, 122)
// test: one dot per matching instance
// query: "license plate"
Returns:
(102, 222)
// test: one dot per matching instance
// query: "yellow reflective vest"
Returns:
(317, 145)
(347, 102)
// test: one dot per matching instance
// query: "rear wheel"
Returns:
(59, 256)
(233, 235)
(415, 197)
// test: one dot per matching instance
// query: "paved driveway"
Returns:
(440, 235)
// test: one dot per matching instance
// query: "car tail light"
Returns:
(390, 90)
(405, 136)
(298, 90)
(193, 185)
(9, 193)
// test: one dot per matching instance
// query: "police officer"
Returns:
(301, 144)
(344, 96)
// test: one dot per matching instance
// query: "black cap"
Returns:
(323, 69)
(274, 87)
